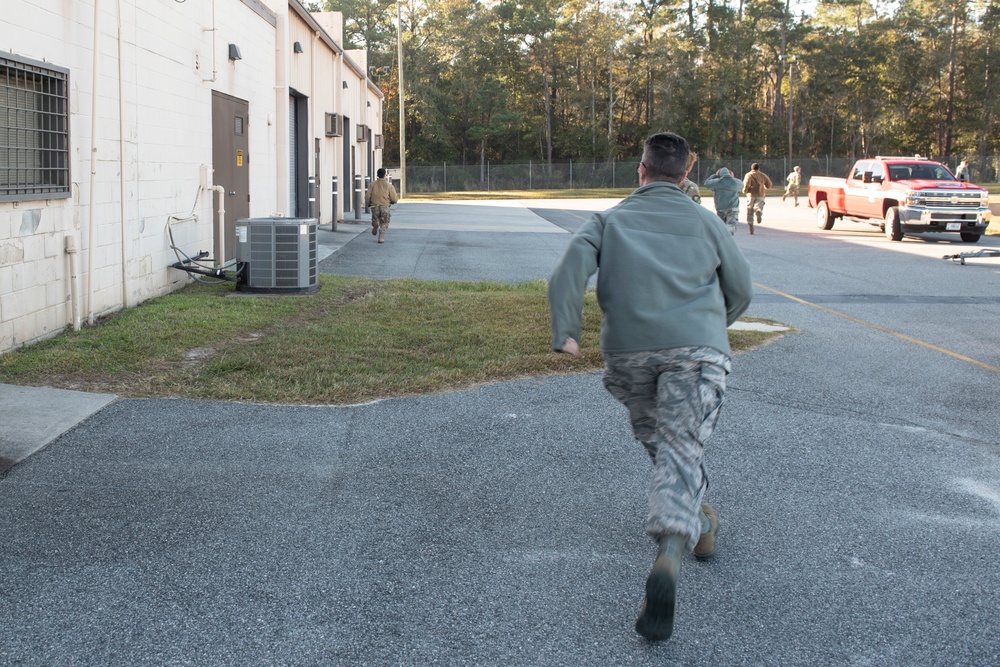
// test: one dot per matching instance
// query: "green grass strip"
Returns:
(352, 341)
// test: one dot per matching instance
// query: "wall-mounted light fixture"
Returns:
(369, 103)
(297, 47)
(234, 52)
(344, 84)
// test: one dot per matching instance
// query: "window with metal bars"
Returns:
(34, 130)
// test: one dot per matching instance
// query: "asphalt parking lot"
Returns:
(855, 470)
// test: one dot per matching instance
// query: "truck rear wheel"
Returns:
(824, 219)
(968, 237)
(893, 230)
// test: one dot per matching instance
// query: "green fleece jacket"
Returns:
(671, 275)
(726, 189)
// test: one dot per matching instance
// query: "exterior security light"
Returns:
(234, 52)
(297, 47)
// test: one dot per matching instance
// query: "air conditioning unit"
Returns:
(363, 135)
(276, 255)
(379, 141)
(334, 125)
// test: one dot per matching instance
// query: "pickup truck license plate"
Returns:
(952, 226)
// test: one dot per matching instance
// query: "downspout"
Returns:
(281, 120)
(221, 230)
(121, 158)
(213, 30)
(93, 165)
(73, 287)
(311, 144)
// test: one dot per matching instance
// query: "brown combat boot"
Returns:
(656, 620)
(374, 228)
(381, 236)
(709, 527)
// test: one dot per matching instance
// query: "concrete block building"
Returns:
(132, 131)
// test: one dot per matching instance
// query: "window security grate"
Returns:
(34, 130)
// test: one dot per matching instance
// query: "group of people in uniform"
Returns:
(727, 190)
(725, 187)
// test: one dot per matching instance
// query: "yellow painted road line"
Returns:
(882, 329)
(575, 215)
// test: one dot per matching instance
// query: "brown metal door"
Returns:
(231, 160)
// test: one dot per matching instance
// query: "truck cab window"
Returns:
(878, 172)
(942, 174)
(899, 172)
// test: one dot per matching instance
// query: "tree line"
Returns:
(558, 80)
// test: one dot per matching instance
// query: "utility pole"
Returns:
(791, 68)
(402, 114)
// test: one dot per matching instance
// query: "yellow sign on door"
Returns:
(239, 158)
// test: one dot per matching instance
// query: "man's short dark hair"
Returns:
(380, 173)
(754, 167)
(665, 155)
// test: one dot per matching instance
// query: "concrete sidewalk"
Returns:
(35, 416)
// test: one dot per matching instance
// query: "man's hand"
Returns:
(571, 347)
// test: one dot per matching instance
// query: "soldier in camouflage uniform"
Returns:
(755, 185)
(794, 180)
(671, 280)
(380, 196)
(689, 187)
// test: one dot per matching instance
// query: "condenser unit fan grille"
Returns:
(279, 254)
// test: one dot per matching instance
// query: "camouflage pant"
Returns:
(380, 217)
(731, 217)
(673, 399)
(755, 205)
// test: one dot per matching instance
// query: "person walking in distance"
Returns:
(794, 179)
(726, 189)
(755, 185)
(380, 196)
(962, 173)
(670, 279)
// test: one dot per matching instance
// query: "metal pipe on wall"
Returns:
(214, 31)
(121, 160)
(281, 118)
(74, 289)
(221, 231)
(91, 224)
(317, 120)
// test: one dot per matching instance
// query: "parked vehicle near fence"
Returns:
(902, 195)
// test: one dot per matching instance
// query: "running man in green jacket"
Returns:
(726, 189)
(671, 280)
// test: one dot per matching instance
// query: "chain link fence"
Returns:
(623, 173)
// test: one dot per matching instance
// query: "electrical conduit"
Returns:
(93, 165)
